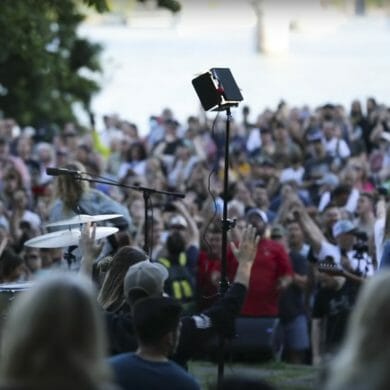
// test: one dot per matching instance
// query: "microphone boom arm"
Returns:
(147, 192)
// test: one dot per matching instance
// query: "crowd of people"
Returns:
(312, 184)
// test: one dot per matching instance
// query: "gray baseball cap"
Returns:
(146, 276)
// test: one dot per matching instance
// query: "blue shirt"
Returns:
(134, 373)
(93, 202)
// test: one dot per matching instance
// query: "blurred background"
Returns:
(305, 52)
(302, 51)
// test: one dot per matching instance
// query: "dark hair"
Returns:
(175, 243)
(136, 146)
(155, 317)
(9, 261)
(342, 189)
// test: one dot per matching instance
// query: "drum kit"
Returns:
(58, 239)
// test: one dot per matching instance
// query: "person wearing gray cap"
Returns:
(146, 279)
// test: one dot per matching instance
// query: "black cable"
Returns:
(212, 171)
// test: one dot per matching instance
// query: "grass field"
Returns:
(283, 376)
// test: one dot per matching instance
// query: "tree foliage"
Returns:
(42, 60)
(45, 67)
(172, 5)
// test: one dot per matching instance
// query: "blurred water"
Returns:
(149, 69)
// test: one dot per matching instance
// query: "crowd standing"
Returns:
(312, 182)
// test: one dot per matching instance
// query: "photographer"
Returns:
(336, 297)
(348, 258)
(340, 281)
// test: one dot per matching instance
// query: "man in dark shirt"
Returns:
(157, 327)
(335, 305)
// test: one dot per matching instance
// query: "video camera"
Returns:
(361, 245)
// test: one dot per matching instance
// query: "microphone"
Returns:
(62, 172)
(220, 88)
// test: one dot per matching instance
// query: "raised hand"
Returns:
(245, 254)
(246, 251)
(88, 245)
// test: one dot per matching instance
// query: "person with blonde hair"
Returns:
(74, 196)
(362, 362)
(54, 338)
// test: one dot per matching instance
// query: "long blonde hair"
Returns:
(70, 190)
(54, 337)
(363, 360)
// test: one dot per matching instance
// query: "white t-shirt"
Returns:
(329, 250)
(337, 147)
(254, 140)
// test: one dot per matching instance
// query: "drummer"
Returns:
(75, 197)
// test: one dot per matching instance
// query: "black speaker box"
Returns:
(257, 339)
(217, 89)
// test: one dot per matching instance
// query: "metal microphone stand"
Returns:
(217, 90)
(147, 192)
(227, 224)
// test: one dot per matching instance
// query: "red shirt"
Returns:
(271, 263)
(209, 275)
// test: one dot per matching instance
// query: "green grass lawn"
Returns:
(283, 376)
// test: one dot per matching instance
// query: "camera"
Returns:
(361, 245)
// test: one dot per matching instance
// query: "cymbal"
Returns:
(83, 218)
(64, 238)
(17, 286)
